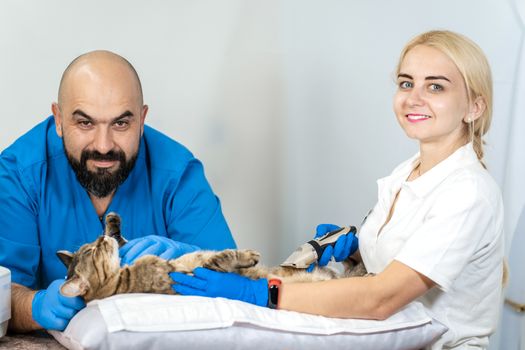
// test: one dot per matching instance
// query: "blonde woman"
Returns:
(436, 233)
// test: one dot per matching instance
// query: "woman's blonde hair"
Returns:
(473, 66)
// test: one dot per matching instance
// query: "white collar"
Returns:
(461, 158)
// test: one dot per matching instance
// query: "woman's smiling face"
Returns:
(431, 102)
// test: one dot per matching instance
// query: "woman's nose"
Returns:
(415, 97)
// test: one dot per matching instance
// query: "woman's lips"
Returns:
(415, 118)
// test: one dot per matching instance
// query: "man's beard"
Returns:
(102, 182)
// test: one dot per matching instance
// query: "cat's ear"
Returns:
(65, 256)
(76, 286)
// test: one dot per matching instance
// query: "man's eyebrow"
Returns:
(123, 115)
(81, 113)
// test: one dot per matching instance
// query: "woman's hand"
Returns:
(345, 246)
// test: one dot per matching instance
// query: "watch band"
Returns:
(273, 293)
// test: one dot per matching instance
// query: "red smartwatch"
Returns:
(273, 293)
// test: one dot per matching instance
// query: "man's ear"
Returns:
(65, 256)
(145, 109)
(74, 287)
(477, 107)
(58, 118)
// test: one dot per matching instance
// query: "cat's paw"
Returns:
(113, 219)
(188, 262)
(230, 260)
(112, 228)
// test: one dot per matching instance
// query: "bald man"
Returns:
(94, 156)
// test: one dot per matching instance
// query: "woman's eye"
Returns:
(436, 87)
(405, 85)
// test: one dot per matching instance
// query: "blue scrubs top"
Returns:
(43, 208)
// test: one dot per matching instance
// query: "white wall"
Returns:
(339, 64)
(211, 76)
(288, 103)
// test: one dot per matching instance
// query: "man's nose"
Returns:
(103, 141)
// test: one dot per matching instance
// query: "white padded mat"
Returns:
(162, 313)
(147, 321)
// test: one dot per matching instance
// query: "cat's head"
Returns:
(93, 265)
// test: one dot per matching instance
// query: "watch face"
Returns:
(274, 282)
(273, 293)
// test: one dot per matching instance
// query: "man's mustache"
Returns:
(96, 155)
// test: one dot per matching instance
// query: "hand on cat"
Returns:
(162, 247)
(229, 285)
(345, 246)
(52, 310)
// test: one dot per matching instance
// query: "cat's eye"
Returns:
(88, 252)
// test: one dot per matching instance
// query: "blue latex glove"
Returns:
(162, 247)
(52, 310)
(229, 285)
(344, 247)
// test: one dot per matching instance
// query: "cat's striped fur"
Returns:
(94, 270)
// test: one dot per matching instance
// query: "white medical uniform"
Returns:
(447, 225)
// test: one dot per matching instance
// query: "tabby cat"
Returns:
(94, 271)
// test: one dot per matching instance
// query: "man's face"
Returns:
(100, 120)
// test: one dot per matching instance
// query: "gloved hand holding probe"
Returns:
(345, 246)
